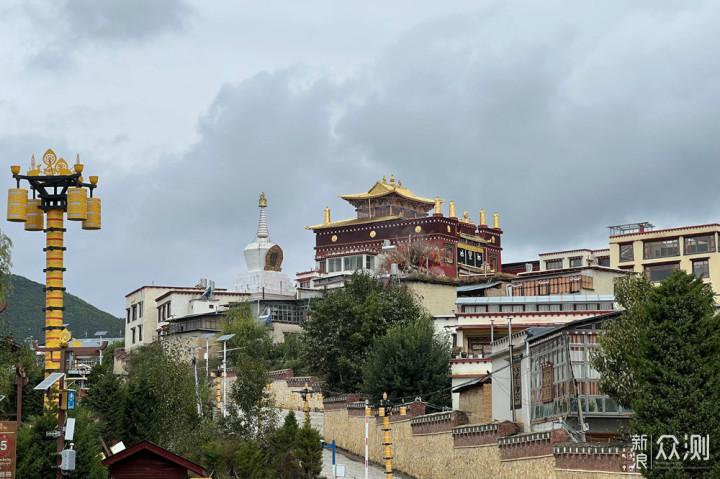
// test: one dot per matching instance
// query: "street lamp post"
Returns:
(224, 339)
(56, 190)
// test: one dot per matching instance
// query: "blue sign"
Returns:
(71, 399)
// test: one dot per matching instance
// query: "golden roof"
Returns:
(472, 238)
(382, 188)
(355, 221)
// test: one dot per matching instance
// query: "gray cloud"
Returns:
(563, 117)
(72, 25)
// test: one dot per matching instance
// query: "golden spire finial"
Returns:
(452, 209)
(262, 203)
(400, 183)
(496, 220)
(438, 207)
(32, 162)
(392, 178)
(78, 165)
(384, 179)
(327, 215)
(482, 217)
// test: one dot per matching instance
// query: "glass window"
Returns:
(626, 252)
(603, 261)
(576, 262)
(700, 244)
(661, 249)
(334, 265)
(554, 264)
(128, 315)
(701, 268)
(140, 309)
(661, 271)
(369, 262)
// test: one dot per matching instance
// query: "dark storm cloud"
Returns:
(75, 24)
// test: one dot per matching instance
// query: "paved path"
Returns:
(354, 466)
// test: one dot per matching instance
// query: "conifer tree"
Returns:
(664, 363)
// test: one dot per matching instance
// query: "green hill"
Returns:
(24, 315)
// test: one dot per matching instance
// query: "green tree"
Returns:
(308, 451)
(106, 397)
(345, 322)
(250, 461)
(161, 403)
(88, 462)
(410, 360)
(662, 359)
(280, 443)
(5, 265)
(36, 453)
(249, 399)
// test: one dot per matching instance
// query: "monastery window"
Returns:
(140, 309)
(554, 264)
(369, 262)
(603, 261)
(660, 271)
(334, 265)
(140, 333)
(700, 244)
(701, 268)
(127, 310)
(448, 248)
(661, 249)
(626, 252)
(352, 263)
(132, 330)
(576, 262)
(134, 312)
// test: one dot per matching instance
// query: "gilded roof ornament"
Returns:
(262, 203)
(392, 178)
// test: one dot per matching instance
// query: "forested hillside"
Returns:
(25, 317)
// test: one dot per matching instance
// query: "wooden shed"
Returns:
(148, 460)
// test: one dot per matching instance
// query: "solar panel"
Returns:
(49, 381)
(225, 337)
(100, 333)
(207, 335)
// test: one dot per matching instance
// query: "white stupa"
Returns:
(264, 278)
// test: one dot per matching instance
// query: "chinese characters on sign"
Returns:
(649, 454)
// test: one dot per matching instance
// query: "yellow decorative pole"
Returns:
(56, 190)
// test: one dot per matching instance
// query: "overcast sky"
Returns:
(564, 116)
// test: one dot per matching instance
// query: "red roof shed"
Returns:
(146, 459)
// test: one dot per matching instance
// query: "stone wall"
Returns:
(477, 402)
(440, 445)
(284, 387)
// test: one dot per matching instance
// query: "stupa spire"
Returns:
(262, 231)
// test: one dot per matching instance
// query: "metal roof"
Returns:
(476, 287)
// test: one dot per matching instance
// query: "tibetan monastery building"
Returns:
(393, 226)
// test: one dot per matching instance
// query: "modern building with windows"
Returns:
(657, 253)
(543, 379)
(574, 259)
(394, 226)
